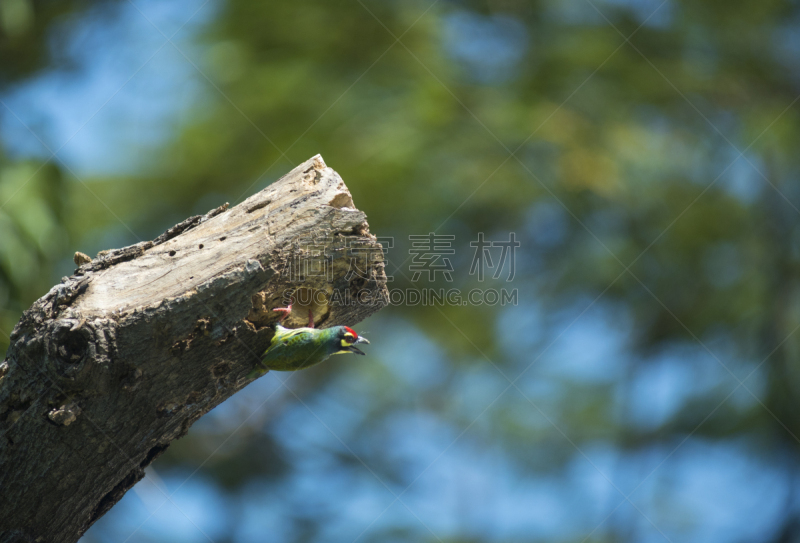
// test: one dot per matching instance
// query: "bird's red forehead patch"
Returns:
(351, 331)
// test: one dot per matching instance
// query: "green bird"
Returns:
(299, 348)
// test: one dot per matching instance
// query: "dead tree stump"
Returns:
(111, 365)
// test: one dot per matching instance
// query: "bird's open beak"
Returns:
(353, 349)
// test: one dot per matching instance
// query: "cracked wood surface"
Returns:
(121, 358)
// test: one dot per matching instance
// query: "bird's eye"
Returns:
(349, 337)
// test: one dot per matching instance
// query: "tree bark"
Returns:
(121, 358)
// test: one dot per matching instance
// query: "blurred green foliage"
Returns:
(641, 225)
(33, 236)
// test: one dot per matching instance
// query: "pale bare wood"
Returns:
(110, 366)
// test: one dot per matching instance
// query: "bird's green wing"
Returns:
(286, 345)
(285, 334)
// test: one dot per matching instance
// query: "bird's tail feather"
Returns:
(258, 371)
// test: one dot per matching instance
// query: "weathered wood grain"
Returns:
(111, 365)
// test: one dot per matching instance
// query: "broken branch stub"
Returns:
(111, 365)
